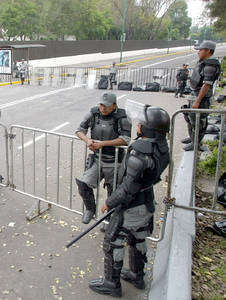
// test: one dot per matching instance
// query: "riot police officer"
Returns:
(109, 125)
(182, 77)
(133, 199)
(202, 80)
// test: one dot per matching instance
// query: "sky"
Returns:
(195, 9)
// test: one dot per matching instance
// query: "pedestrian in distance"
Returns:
(112, 75)
(132, 220)
(182, 77)
(204, 75)
(23, 69)
(109, 128)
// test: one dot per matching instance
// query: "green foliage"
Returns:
(20, 18)
(93, 19)
(218, 12)
(208, 166)
(180, 21)
(204, 33)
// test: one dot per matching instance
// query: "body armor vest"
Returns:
(105, 128)
(197, 77)
(149, 152)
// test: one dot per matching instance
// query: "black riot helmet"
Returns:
(156, 122)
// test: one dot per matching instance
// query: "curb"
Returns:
(173, 261)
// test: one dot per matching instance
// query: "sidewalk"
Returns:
(34, 262)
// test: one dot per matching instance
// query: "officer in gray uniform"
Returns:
(202, 80)
(112, 75)
(109, 125)
(182, 77)
(133, 199)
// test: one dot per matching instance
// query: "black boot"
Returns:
(105, 287)
(110, 284)
(88, 197)
(134, 279)
(135, 274)
(87, 216)
(186, 140)
(189, 147)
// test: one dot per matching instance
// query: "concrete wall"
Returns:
(173, 262)
(72, 48)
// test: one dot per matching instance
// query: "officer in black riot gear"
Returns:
(109, 125)
(182, 77)
(202, 80)
(133, 199)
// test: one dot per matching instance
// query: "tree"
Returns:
(180, 21)
(204, 33)
(20, 19)
(91, 23)
(217, 11)
(60, 19)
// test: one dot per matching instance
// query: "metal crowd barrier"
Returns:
(31, 160)
(198, 113)
(68, 76)
(31, 166)
(4, 157)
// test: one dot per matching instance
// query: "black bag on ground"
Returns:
(103, 83)
(152, 87)
(138, 89)
(166, 89)
(221, 98)
(125, 86)
(221, 193)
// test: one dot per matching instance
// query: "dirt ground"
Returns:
(209, 261)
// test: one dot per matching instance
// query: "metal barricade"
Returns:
(198, 113)
(44, 165)
(4, 156)
(68, 76)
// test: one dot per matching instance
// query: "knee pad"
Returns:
(83, 189)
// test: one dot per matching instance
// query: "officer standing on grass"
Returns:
(202, 80)
(109, 125)
(133, 199)
(182, 77)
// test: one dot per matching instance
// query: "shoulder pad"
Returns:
(143, 146)
(120, 113)
(212, 62)
(135, 166)
(95, 110)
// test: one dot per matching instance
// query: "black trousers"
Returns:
(181, 88)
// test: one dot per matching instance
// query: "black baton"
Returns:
(90, 228)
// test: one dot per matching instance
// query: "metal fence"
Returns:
(4, 156)
(43, 165)
(198, 113)
(67, 76)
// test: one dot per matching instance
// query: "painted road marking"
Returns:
(122, 96)
(29, 143)
(35, 97)
(161, 62)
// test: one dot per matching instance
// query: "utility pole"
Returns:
(123, 36)
(169, 36)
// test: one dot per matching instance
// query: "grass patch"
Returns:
(208, 167)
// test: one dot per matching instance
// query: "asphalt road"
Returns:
(34, 263)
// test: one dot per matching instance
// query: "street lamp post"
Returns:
(123, 36)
